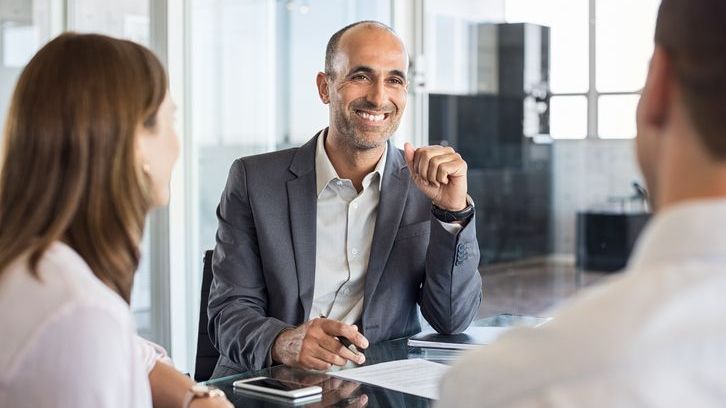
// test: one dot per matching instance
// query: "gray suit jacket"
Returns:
(264, 260)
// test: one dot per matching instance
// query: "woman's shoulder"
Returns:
(65, 292)
(85, 354)
(64, 277)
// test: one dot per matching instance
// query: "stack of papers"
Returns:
(473, 337)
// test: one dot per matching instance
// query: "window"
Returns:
(569, 45)
(623, 36)
(568, 116)
(616, 115)
(587, 59)
(486, 99)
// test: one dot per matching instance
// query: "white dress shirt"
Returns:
(655, 336)
(68, 340)
(344, 232)
(345, 223)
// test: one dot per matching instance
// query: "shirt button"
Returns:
(354, 251)
(339, 183)
(355, 206)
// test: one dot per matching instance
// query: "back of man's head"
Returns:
(693, 33)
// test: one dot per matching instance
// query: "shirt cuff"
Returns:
(151, 353)
(452, 228)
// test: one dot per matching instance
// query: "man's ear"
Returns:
(323, 91)
(658, 90)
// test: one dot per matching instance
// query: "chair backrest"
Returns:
(207, 355)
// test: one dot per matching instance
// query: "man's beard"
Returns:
(352, 137)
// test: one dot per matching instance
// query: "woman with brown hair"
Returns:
(88, 150)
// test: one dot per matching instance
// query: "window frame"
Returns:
(593, 95)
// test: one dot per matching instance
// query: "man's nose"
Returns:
(377, 93)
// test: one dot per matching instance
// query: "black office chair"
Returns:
(207, 355)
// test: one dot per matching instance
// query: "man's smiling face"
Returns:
(368, 88)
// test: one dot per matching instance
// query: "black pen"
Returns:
(350, 346)
(345, 342)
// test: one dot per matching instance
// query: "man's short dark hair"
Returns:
(693, 34)
(332, 47)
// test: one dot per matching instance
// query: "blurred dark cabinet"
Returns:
(605, 240)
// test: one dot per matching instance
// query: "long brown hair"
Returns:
(70, 170)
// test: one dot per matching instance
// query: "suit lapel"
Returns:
(394, 191)
(302, 201)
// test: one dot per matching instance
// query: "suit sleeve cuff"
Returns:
(269, 361)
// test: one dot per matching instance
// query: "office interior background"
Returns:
(539, 96)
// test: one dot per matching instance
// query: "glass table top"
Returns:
(342, 393)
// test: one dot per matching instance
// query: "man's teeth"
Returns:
(374, 118)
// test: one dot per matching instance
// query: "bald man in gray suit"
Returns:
(339, 240)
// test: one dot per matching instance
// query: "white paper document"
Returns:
(415, 376)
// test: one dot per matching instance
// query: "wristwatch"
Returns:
(451, 216)
(201, 391)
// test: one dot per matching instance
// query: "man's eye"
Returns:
(397, 81)
(359, 77)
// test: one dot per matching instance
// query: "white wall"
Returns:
(586, 174)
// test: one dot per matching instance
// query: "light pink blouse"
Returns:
(68, 340)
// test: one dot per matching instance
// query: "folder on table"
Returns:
(471, 338)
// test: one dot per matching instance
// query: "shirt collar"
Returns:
(325, 172)
(694, 229)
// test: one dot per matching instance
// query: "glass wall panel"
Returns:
(252, 90)
(24, 27)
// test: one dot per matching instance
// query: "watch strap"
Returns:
(451, 216)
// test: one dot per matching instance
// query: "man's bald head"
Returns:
(332, 49)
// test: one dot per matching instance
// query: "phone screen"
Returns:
(276, 384)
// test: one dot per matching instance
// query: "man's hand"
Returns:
(314, 345)
(440, 173)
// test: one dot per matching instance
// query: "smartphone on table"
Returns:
(280, 388)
